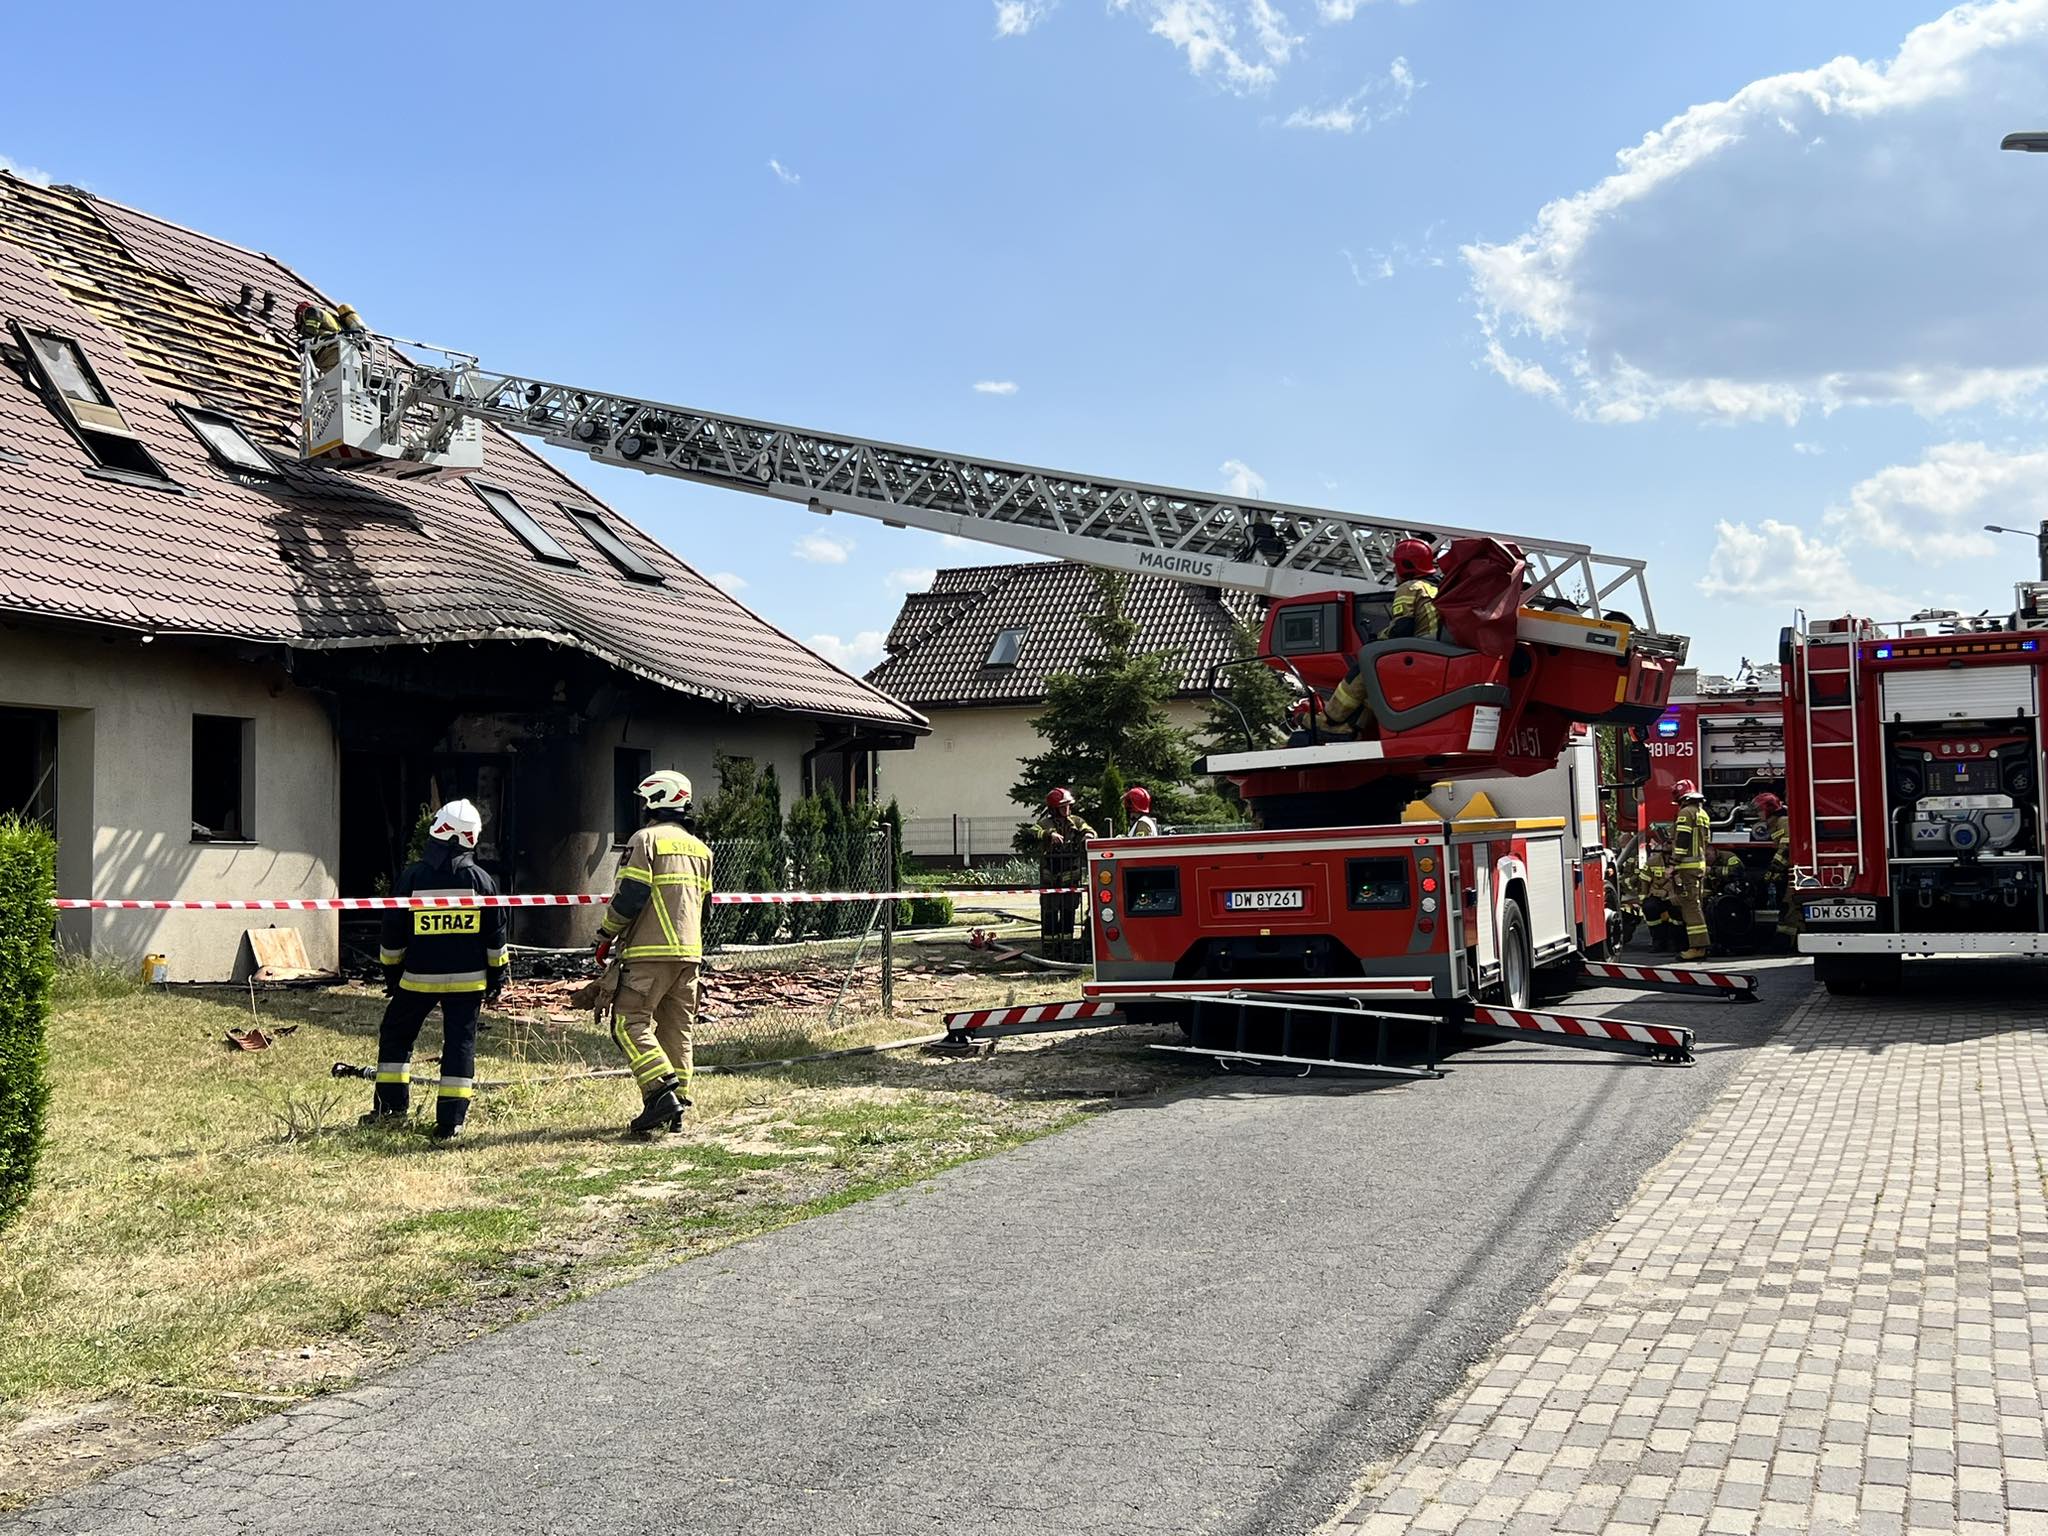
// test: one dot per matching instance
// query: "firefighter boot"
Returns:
(389, 1103)
(661, 1110)
(450, 1115)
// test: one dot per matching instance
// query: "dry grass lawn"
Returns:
(212, 1234)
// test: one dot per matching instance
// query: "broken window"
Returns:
(28, 765)
(223, 779)
(528, 531)
(231, 447)
(1003, 652)
(630, 765)
(84, 405)
(610, 545)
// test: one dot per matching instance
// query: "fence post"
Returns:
(889, 927)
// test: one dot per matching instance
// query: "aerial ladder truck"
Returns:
(1370, 900)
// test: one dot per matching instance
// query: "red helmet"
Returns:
(1768, 804)
(1138, 799)
(1060, 797)
(1685, 789)
(1413, 558)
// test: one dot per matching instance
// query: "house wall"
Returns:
(569, 843)
(964, 769)
(124, 795)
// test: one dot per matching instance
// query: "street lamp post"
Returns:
(2040, 539)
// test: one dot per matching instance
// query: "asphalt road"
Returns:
(1204, 1314)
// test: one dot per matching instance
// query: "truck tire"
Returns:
(1858, 975)
(1517, 987)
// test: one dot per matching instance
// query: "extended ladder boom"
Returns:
(369, 406)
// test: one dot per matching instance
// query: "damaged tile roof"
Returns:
(939, 647)
(310, 557)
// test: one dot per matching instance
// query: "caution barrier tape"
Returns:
(391, 903)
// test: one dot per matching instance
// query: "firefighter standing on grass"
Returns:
(656, 924)
(1061, 841)
(1689, 840)
(454, 956)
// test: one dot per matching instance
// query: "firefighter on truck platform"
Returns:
(454, 956)
(1689, 841)
(656, 922)
(1414, 616)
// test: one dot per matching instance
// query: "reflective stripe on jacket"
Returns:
(445, 949)
(659, 905)
(1415, 601)
(1690, 837)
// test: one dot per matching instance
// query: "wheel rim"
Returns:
(1517, 968)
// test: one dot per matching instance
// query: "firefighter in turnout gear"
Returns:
(1414, 617)
(1779, 824)
(1689, 841)
(656, 925)
(1138, 806)
(1661, 921)
(1061, 843)
(454, 956)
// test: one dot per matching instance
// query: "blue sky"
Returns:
(1360, 253)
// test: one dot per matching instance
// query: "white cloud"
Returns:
(1016, 17)
(1841, 235)
(28, 173)
(1334, 11)
(1240, 479)
(1810, 450)
(996, 387)
(784, 174)
(1934, 511)
(730, 581)
(859, 654)
(913, 578)
(1209, 31)
(1530, 378)
(1777, 565)
(1377, 101)
(822, 549)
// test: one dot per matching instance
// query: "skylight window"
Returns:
(231, 447)
(1003, 653)
(84, 404)
(522, 523)
(611, 545)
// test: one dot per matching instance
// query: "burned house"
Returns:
(224, 674)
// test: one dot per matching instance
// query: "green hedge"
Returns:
(28, 961)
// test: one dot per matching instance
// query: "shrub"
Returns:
(28, 963)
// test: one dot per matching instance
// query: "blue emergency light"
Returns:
(1667, 727)
(1884, 653)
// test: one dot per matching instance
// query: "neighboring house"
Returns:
(973, 653)
(224, 674)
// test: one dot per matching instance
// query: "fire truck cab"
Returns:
(1915, 788)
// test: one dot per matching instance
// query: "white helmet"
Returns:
(457, 822)
(664, 790)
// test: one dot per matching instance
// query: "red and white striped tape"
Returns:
(1032, 1013)
(391, 903)
(1584, 1026)
(1732, 981)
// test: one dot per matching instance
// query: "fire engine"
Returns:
(1915, 752)
(1360, 906)
(1727, 735)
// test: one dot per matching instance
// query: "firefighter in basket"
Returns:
(1414, 617)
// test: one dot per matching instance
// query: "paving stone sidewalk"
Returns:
(1826, 1311)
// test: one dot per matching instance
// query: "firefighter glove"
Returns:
(392, 973)
(601, 949)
